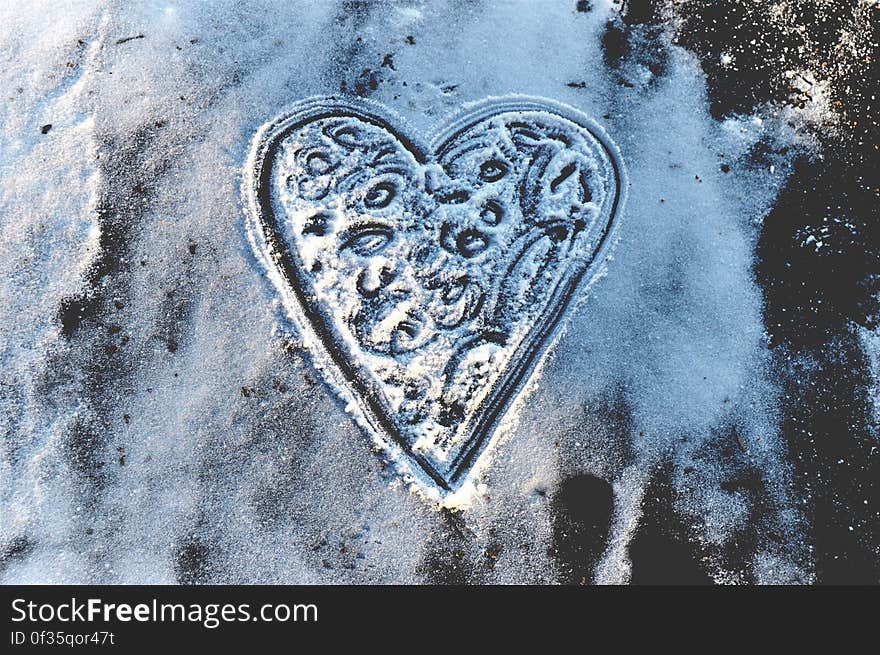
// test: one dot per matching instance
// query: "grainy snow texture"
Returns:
(709, 414)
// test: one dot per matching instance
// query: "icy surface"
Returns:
(161, 421)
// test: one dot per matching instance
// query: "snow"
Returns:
(207, 436)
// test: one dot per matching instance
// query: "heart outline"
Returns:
(272, 250)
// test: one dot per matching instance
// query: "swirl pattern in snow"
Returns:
(429, 280)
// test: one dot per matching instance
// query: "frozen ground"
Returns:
(702, 417)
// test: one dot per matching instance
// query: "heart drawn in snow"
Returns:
(429, 280)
